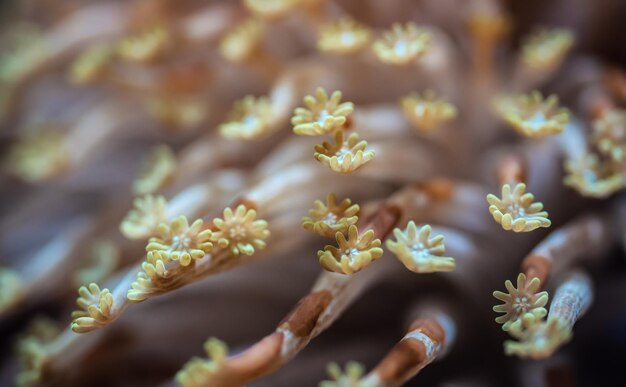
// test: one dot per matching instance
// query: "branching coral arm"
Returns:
(426, 340)
(587, 238)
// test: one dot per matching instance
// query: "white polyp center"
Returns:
(250, 121)
(420, 110)
(347, 38)
(330, 218)
(537, 120)
(352, 253)
(419, 250)
(238, 232)
(321, 117)
(401, 48)
(341, 153)
(521, 304)
(181, 242)
(516, 210)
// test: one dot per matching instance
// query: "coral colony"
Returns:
(338, 190)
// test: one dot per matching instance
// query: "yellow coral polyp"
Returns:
(593, 177)
(349, 378)
(250, 119)
(146, 46)
(546, 49)
(427, 112)
(240, 231)
(271, 9)
(537, 338)
(322, 115)
(418, 251)
(199, 372)
(353, 254)
(345, 36)
(157, 170)
(95, 305)
(516, 211)
(532, 115)
(519, 301)
(332, 217)
(242, 41)
(91, 64)
(402, 45)
(142, 221)
(177, 111)
(345, 155)
(178, 241)
(39, 156)
(609, 134)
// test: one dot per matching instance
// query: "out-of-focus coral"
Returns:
(532, 115)
(402, 44)
(322, 115)
(249, 119)
(345, 36)
(427, 112)
(157, 169)
(142, 221)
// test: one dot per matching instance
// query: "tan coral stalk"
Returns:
(249, 119)
(332, 217)
(322, 115)
(402, 44)
(157, 170)
(516, 211)
(178, 241)
(96, 307)
(352, 254)
(532, 115)
(239, 231)
(346, 155)
(418, 251)
(142, 221)
(427, 112)
(520, 301)
(345, 36)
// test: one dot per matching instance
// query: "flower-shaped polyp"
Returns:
(532, 115)
(178, 241)
(332, 217)
(350, 378)
(321, 115)
(199, 372)
(239, 231)
(402, 44)
(39, 156)
(547, 48)
(426, 112)
(249, 119)
(609, 134)
(516, 210)
(270, 8)
(352, 254)
(95, 307)
(346, 155)
(142, 221)
(538, 338)
(241, 43)
(519, 301)
(157, 170)
(418, 251)
(344, 36)
(593, 177)
(145, 46)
